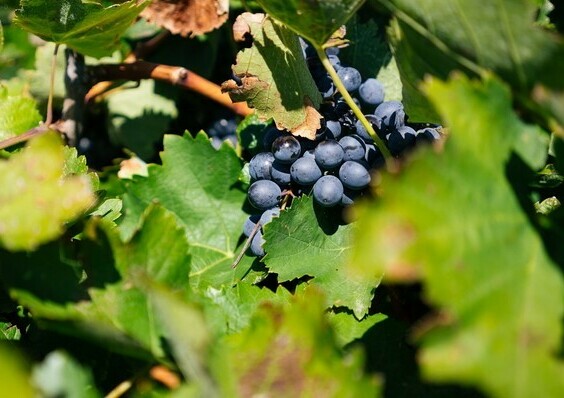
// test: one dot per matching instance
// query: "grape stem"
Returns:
(246, 245)
(350, 102)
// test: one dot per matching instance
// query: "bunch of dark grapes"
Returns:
(223, 129)
(339, 164)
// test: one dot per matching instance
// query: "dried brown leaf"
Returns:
(187, 17)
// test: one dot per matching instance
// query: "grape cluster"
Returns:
(339, 164)
(223, 129)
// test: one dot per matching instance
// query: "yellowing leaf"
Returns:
(274, 76)
(36, 199)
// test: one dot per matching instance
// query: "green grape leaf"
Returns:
(114, 310)
(274, 75)
(305, 241)
(8, 331)
(138, 117)
(370, 54)
(438, 36)
(348, 328)
(316, 20)
(37, 199)
(109, 210)
(76, 165)
(200, 186)
(88, 27)
(60, 375)
(290, 351)
(453, 220)
(18, 114)
(229, 308)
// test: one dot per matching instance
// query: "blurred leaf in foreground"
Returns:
(37, 199)
(453, 220)
(291, 351)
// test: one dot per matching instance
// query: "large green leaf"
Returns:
(37, 199)
(438, 36)
(88, 27)
(290, 351)
(274, 76)
(199, 185)
(115, 312)
(315, 20)
(305, 241)
(453, 220)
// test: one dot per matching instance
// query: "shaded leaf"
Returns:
(439, 36)
(187, 17)
(453, 221)
(316, 20)
(199, 185)
(85, 26)
(370, 54)
(37, 200)
(306, 241)
(139, 117)
(274, 75)
(348, 328)
(291, 351)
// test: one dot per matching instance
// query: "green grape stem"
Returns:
(350, 102)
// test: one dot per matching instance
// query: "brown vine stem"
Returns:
(28, 135)
(141, 51)
(175, 75)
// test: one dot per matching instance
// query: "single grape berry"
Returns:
(305, 171)
(333, 129)
(335, 61)
(280, 173)
(250, 224)
(264, 194)
(329, 154)
(350, 77)
(371, 92)
(354, 175)
(256, 245)
(401, 139)
(328, 191)
(267, 216)
(390, 115)
(286, 149)
(427, 135)
(353, 147)
(260, 166)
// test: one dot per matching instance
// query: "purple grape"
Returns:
(390, 115)
(286, 149)
(329, 154)
(350, 77)
(305, 171)
(328, 191)
(353, 147)
(264, 194)
(354, 175)
(280, 173)
(260, 166)
(371, 92)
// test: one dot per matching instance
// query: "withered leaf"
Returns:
(187, 17)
